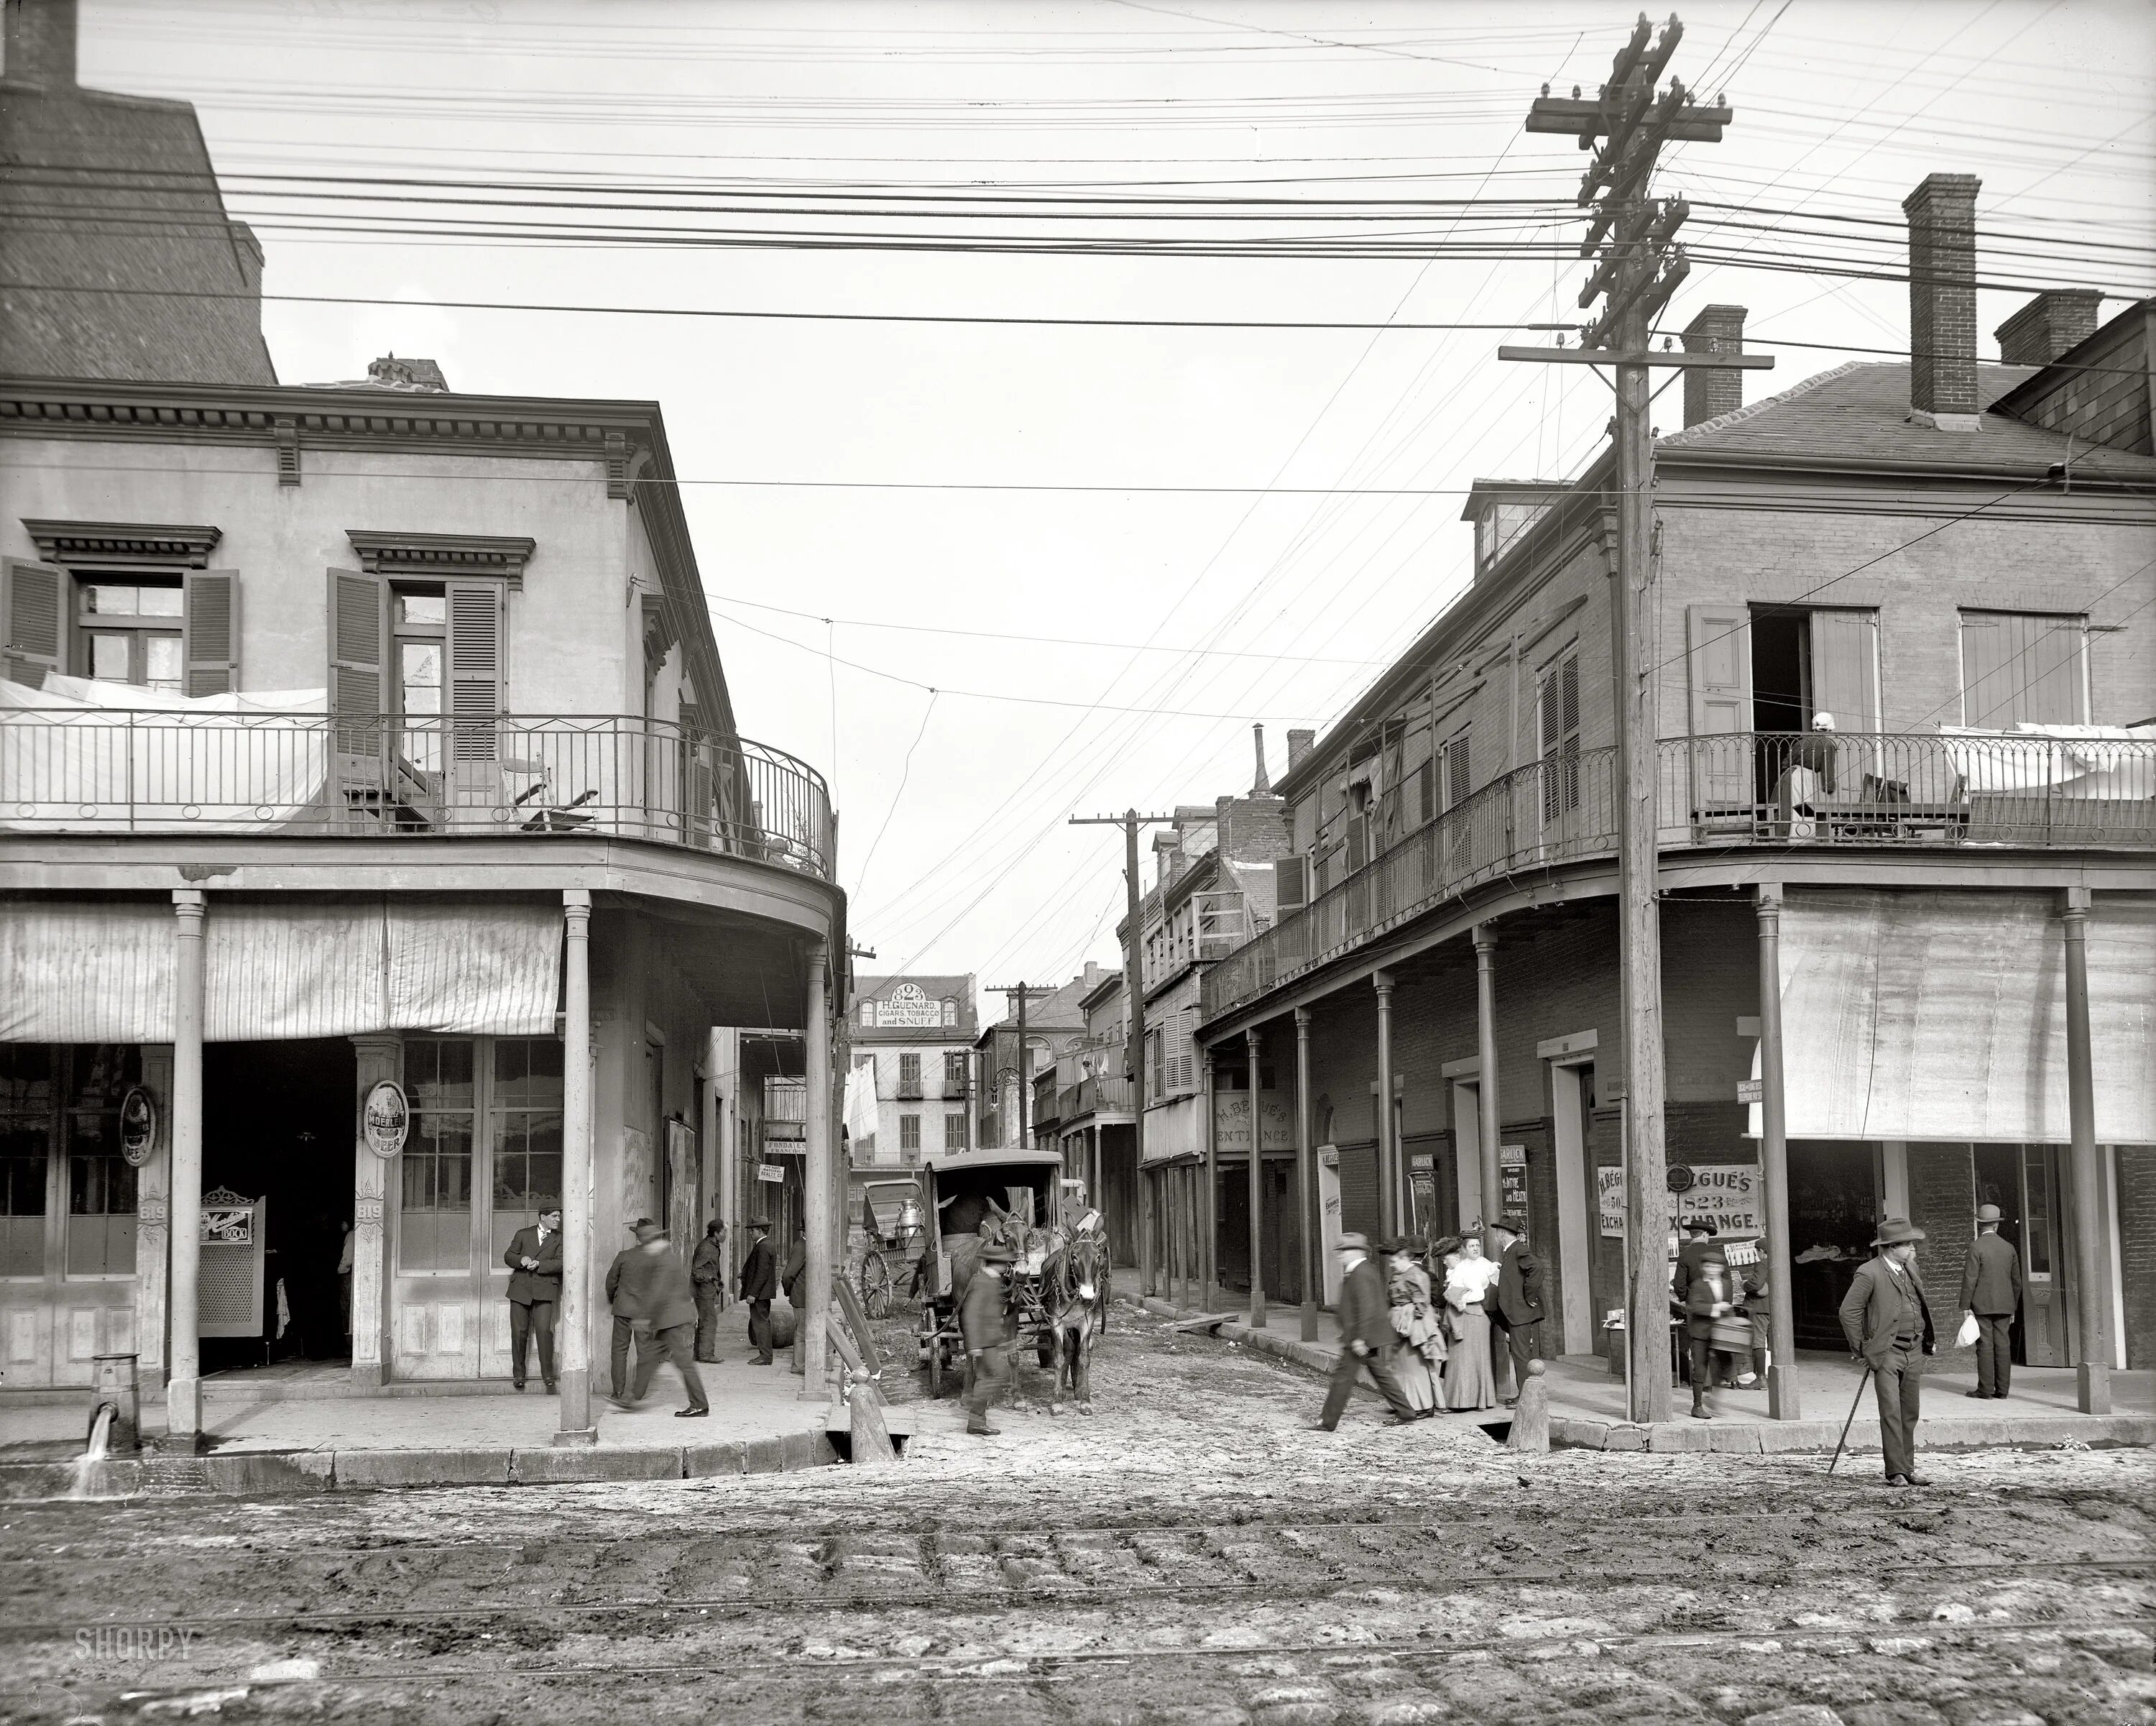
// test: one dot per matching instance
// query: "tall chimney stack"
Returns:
(1941, 215)
(2055, 321)
(1709, 395)
(1261, 786)
(40, 43)
(1299, 743)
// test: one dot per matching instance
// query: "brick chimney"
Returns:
(1261, 786)
(40, 43)
(2050, 323)
(1299, 743)
(1941, 215)
(1709, 395)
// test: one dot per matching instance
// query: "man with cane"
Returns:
(1887, 1320)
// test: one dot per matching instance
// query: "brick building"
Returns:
(1905, 696)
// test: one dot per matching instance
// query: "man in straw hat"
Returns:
(1990, 1291)
(1887, 1320)
(1366, 1337)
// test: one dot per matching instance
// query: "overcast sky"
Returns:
(1299, 596)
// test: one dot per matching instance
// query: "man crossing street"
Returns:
(984, 1321)
(1366, 1337)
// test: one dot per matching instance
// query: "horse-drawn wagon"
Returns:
(1058, 1283)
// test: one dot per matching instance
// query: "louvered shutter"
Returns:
(34, 601)
(209, 630)
(1291, 884)
(1719, 640)
(474, 669)
(359, 659)
(1458, 781)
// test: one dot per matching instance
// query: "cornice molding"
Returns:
(128, 544)
(441, 556)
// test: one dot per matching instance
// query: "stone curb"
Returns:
(1752, 1438)
(264, 1473)
(1315, 1356)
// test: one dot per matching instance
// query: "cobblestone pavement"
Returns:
(1191, 1553)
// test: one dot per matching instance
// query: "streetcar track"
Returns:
(1056, 1590)
(1003, 1666)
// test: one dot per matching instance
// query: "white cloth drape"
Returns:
(87, 971)
(1941, 1014)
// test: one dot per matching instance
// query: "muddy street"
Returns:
(1191, 1552)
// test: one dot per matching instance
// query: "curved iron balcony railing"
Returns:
(493, 775)
(1938, 791)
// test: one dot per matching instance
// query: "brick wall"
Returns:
(2136, 1240)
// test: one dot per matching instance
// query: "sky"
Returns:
(986, 574)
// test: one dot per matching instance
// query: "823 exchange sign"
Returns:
(1727, 1192)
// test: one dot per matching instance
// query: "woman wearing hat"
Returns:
(1471, 1376)
(1887, 1320)
(1421, 1353)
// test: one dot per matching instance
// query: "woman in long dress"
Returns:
(1470, 1380)
(1416, 1361)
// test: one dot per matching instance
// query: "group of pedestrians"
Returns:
(1427, 1342)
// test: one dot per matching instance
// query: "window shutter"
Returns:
(209, 630)
(1458, 775)
(1845, 652)
(1291, 884)
(1568, 696)
(359, 659)
(1719, 640)
(35, 601)
(475, 700)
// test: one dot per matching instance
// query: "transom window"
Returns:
(128, 631)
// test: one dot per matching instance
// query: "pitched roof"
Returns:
(1862, 412)
(110, 210)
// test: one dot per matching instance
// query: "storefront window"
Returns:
(434, 1220)
(524, 1132)
(100, 1224)
(26, 1127)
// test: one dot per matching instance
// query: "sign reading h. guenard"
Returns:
(908, 1007)
(1727, 1192)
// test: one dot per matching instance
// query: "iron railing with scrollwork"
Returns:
(403, 777)
(1946, 791)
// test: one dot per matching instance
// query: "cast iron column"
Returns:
(817, 1181)
(1388, 1153)
(183, 1385)
(1306, 1180)
(2093, 1371)
(573, 1336)
(1782, 1399)
(1486, 1080)
(1257, 1188)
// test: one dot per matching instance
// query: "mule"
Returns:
(1076, 1284)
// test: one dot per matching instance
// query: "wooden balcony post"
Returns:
(1306, 1179)
(1257, 1046)
(817, 1178)
(573, 1335)
(1488, 1129)
(1388, 1173)
(2092, 1370)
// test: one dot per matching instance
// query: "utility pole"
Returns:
(1134, 1017)
(1638, 270)
(1022, 990)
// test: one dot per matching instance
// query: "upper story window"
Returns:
(419, 623)
(128, 631)
(2024, 668)
(1558, 705)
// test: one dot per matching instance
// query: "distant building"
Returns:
(912, 1039)
(116, 257)
(1055, 1023)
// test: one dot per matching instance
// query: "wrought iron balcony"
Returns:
(63, 771)
(1945, 792)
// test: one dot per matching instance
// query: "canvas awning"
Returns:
(1941, 1015)
(103, 971)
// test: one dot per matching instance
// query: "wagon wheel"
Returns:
(876, 1285)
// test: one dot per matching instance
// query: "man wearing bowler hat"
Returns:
(534, 1258)
(1888, 1321)
(757, 1283)
(1367, 1336)
(1990, 1292)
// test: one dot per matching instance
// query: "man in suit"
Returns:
(662, 1307)
(794, 1279)
(1991, 1292)
(1888, 1321)
(707, 1271)
(984, 1322)
(534, 1258)
(624, 1331)
(1519, 1314)
(1366, 1337)
(757, 1283)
